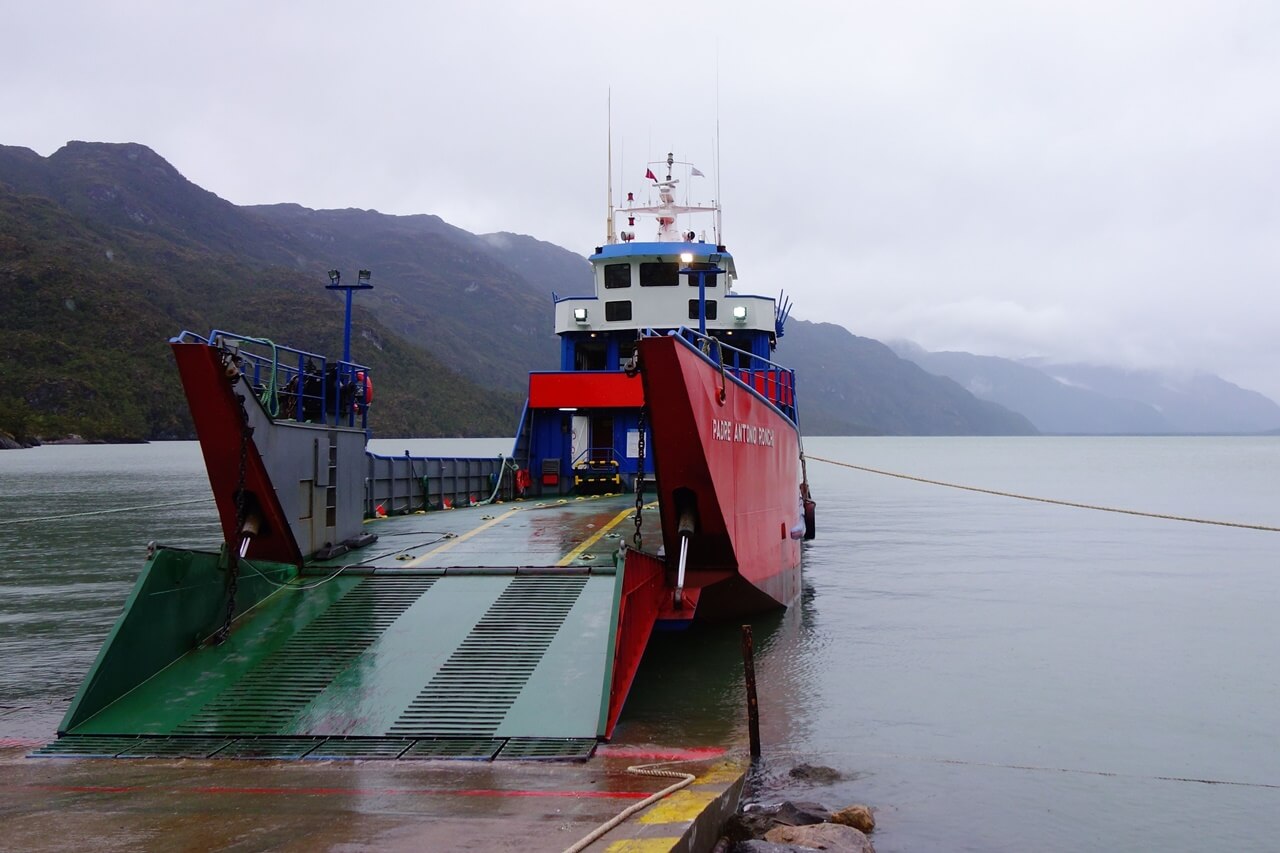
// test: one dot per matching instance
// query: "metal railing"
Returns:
(297, 385)
(404, 484)
(770, 380)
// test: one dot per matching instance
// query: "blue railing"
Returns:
(293, 384)
(770, 380)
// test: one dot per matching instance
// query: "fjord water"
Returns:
(988, 673)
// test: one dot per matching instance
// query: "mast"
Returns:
(609, 235)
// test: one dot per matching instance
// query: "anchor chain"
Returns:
(234, 552)
(637, 538)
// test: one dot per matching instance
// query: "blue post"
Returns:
(702, 302)
(346, 330)
(335, 283)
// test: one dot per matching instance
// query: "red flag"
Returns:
(648, 173)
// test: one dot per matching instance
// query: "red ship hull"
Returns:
(721, 447)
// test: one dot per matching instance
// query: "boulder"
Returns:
(815, 773)
(755, 820)
(758, 846)
(832, 837)
(858, 816)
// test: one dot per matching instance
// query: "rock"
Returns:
(858, 816)
(815, 773)
(755, 820)
(800, 813)
(831, 837)
(757, 846)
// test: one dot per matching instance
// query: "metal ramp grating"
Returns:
(473, 748)
(279, 748)
(176, 747)
(357, 748)
(319, 748)
(480, 681)
(273, 693)
(86, 746)
(542, 748)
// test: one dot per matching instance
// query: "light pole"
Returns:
(362, 283)
(713, 267)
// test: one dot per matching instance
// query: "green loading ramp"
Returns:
(481, 663)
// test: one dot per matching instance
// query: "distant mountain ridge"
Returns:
(106, 250)
(1076, 399)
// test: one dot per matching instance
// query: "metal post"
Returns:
(702, 302)
(753, 707)
(346, 330)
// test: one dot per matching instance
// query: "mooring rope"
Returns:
(686, 779)
(1054, 501)
(1035, 768)
(103, 511)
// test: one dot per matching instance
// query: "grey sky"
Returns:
(1079, 180)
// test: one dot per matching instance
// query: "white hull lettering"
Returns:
(741, 433)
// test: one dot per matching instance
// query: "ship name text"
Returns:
(722, 430)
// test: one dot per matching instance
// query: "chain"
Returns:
(233, 550)
(637, 538)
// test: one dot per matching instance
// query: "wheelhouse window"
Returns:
(617, 275)
(693, 277)
(693, 309)
(659, 274)
(618, 310)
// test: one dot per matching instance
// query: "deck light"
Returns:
(334, 276)
(580, 315)
(740, 313)
(686, 257)
(363, 277)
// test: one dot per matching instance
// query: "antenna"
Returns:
(719, 200)
(609, 236)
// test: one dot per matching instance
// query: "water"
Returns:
(989, 674)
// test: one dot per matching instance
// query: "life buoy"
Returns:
(366, 381)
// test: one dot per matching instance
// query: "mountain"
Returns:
(1190, 403)
(852, 385)
(106, 250)
(111, 260)
(459, 295)
(1073, 399)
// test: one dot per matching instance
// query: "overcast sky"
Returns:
(1078, 180)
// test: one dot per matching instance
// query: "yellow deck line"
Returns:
(594, 538)
(462, 538)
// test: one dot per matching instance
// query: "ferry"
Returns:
(371, 606)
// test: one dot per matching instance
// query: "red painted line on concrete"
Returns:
(344, 792)
(699, 754)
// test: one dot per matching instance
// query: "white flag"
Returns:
(695, 172)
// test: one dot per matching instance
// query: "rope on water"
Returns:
(686, 779)
(1047, 500)
(103, 511)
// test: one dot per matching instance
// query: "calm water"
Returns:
(990, 674)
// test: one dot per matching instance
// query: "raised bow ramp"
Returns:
(402, 658)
